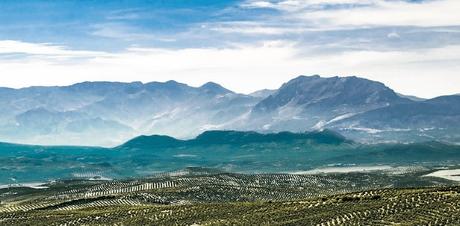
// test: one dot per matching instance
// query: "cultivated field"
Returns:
(202, 197)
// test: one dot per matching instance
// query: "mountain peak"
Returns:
(170, 86)
(172, 82)
(214, 88)
(153, 141)
(330, 92)
(304, 77)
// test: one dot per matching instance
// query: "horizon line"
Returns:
(220, 84)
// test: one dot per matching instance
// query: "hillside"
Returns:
(233, 151)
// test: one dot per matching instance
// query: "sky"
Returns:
(413, 46)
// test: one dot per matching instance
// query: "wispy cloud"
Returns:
(337, 25)
(331, 14)
(43, 50)
(255, 28)
(391, 13)
(306, 5)
(120, 31)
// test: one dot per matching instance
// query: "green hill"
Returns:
(233, 151)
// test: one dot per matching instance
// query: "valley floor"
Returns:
(201, 197)
(432, 206)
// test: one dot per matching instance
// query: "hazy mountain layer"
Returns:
(105, 113)
(108, 113)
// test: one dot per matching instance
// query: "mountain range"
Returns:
(109, 113)
(231, 151)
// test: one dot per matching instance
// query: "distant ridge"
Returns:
(152, 141)
(108, 113)
(222, 137)
(231, 151)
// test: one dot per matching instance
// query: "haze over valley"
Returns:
(110, 113)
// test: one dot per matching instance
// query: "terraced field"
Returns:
(200, 197)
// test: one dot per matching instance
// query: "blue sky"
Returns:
(246, 45)
(109, 25)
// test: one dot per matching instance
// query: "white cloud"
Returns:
(258, 4)
(365, 13)
(121, 31)
(43, 49)
(392, 13)
(299, 5)
(243, 68)
(254, 28)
